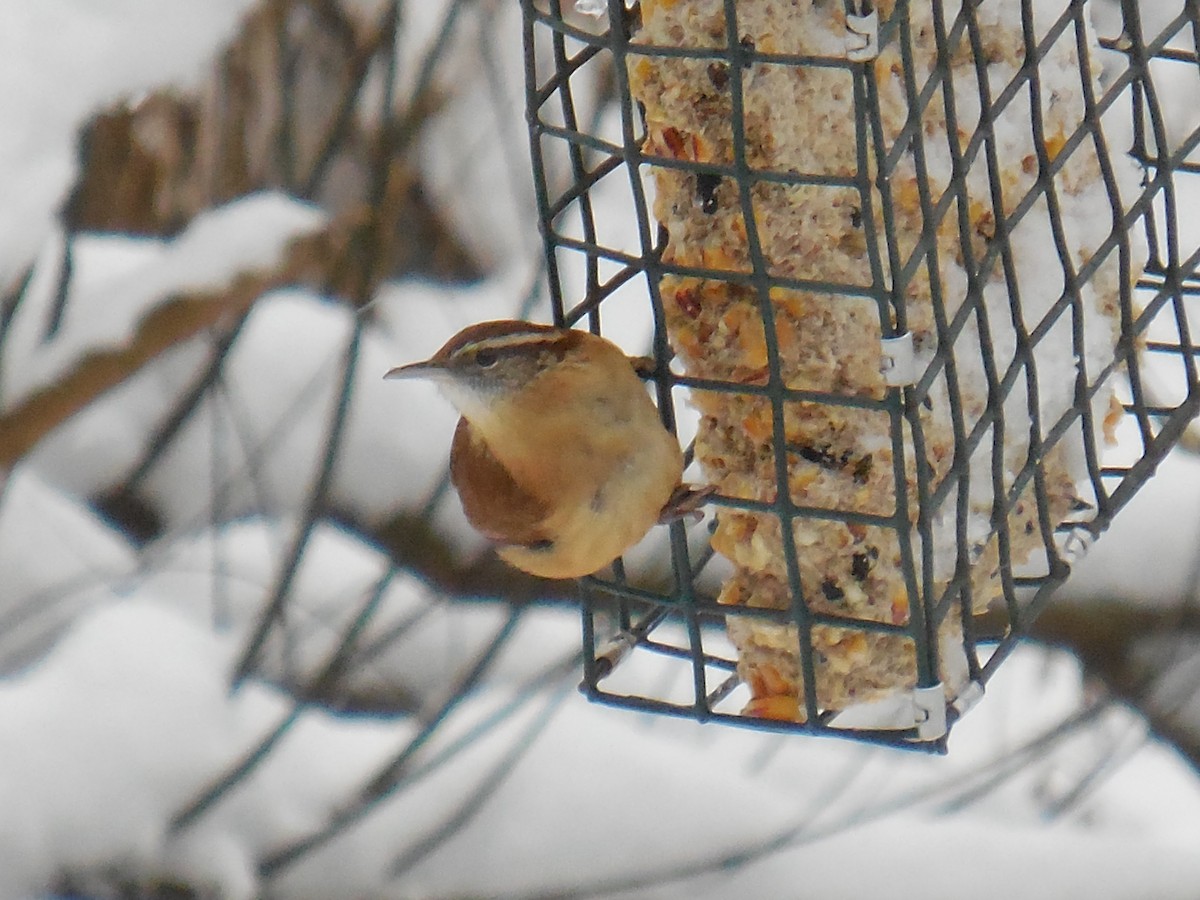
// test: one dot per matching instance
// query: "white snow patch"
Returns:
(125, 722)
(1160, 524)
(60, 60)
(56, 559)
(119, 280)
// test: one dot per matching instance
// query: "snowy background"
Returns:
(412, 731)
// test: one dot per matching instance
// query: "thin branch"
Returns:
(167, 325)
(391, 776)
(488, 785)
(274, 609)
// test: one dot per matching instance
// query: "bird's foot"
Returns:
(686, 502)
(646, 366)
(643, 365)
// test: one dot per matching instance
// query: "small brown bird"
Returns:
(560, 455)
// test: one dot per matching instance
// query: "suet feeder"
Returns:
(922, 275)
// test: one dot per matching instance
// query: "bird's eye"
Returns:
(485, 359)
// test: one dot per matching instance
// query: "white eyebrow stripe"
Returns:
(520, 339)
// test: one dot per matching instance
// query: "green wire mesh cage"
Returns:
(920, 279)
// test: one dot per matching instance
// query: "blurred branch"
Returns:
(1105, 633)
(392, 776)
(280, 110)
(176, 320)
(486, 787)
(10, 302)
(413, 543)
(811, 827)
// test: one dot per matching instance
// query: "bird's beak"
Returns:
(428, 368)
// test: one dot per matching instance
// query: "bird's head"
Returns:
(486, 366)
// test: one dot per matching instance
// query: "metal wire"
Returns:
(683, 622)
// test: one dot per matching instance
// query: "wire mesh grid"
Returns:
(971, 216)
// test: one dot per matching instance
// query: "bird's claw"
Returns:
(643, 365)
(646, 366)
(685, 502)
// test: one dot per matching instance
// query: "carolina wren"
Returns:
(560, 456)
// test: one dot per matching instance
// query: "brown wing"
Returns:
(497, 506)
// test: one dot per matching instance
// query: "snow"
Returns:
(129, 717)
(118, 280)
(133, 717)
(38, 524)
(1159, 524)
(911, 858)
(1078, 214)
(59, 61)
(115, 707)
(223, 577)
(475, 153)
(280, 383)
